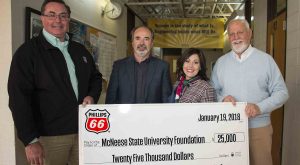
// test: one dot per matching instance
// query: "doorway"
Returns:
(276, 47)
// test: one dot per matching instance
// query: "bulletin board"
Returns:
(101, 45)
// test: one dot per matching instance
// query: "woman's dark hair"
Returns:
(57, 1)
(186, 54)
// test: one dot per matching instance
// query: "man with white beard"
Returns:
(140, 78)
(247, 74)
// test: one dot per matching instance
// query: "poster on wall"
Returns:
(188, 33)
(87, 36)
(101, 45)
(33, 23)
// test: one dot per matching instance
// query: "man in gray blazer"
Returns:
(140, 78)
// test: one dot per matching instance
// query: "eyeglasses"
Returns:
(53, 16)
(239, 33)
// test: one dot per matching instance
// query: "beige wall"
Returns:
(7, 142)
(291, 133)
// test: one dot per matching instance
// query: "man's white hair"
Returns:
(243, 21)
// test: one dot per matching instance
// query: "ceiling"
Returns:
(166, 9)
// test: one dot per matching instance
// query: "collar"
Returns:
(54, 41)
(244, 55)
(191, 81)
(147, 60)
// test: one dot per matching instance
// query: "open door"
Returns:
(276, 47)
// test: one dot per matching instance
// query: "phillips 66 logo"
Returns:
(97, 120)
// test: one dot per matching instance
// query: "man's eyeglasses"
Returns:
(53, 16)
(239, 33)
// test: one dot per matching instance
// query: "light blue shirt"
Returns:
(63, 47)
(257, 79)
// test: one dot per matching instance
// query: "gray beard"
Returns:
(141, 53)
(239, 49)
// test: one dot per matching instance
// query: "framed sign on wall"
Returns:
(33, 23)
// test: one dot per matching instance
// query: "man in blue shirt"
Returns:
(247, 74)
(50, 76)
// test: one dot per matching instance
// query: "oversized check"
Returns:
(164, 134)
